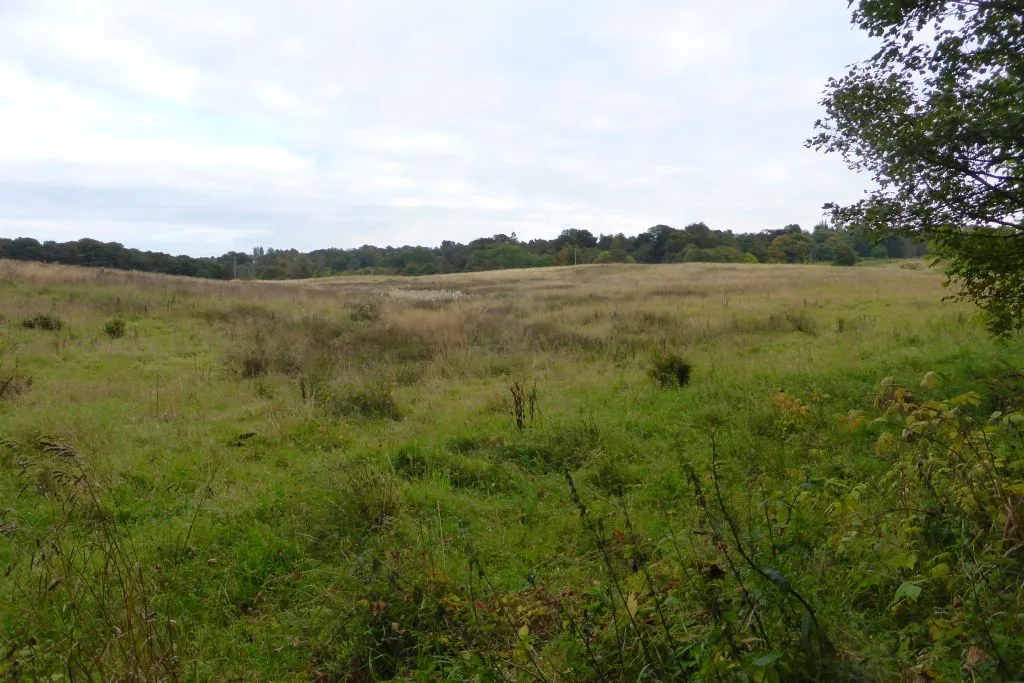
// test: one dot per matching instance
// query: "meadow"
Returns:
(611, 472)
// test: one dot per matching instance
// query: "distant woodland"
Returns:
(660, 244)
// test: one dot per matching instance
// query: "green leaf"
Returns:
(910, 591)
(768, 659)
(904, 561)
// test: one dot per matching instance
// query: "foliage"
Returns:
(670, 370)
(845, 256)
(115, 328)
(49, 323)
(936, 116)
(661, 244)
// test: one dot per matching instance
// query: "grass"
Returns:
(480, 475)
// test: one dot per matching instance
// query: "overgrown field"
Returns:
(704, 472)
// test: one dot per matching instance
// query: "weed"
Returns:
(12, 383)
(48, 323)
(800, 321)
(373, 400)
(366, 312)
(670, 371)
(370, 495)
(253, 362)
(120, 630)
(524, 403)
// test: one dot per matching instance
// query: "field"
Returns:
(508, 476)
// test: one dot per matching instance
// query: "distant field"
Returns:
(366, 478)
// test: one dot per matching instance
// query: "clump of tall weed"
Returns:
(252, 361)
(370, 495)
(12, 383)
(799, 321)
(261, 352)
(670, 371)
(373, 400)
(45, 322)
(88, 605)
(524, 403)
(365, 312)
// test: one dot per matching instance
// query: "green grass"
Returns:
(326, 481)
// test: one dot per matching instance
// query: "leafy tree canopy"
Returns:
(936, 117)
(660, 244)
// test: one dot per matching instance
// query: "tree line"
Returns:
(659, 244)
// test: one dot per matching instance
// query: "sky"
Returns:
(202, 127)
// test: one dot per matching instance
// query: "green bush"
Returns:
(670, 371)
(49, 323)
(115, 328)
(845, 255)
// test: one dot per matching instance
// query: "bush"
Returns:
(50, 323)
(670, 371)
(845, 255)
(115, 328)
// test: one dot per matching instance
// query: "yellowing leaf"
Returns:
(632, 604)
(970, 398)
(975, 656)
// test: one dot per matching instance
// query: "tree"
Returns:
(791, 248)
(844, 255)
(936, 117)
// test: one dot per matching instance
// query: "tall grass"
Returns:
(327, 480)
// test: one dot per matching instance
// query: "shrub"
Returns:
(670, 371)
(49, 323)
(115, 328)
(845, 255)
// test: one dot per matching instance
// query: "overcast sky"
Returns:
(198, 127)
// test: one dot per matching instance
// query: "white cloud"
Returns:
(396, 140)
(334, 123)
(277, 98)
